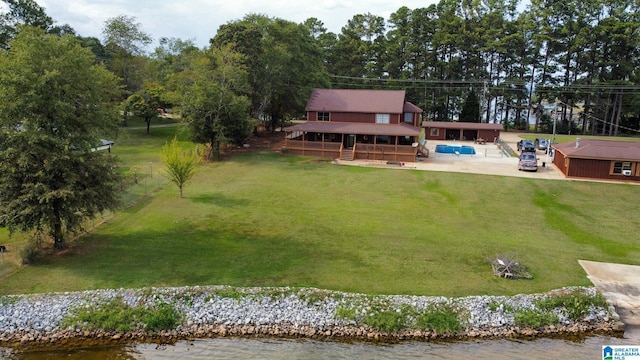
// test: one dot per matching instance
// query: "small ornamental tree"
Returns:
(179, 165)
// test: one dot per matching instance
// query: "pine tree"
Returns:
(471, 110)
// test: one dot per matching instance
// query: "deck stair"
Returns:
(423, 150)
(346, 155)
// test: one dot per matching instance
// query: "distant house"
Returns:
(104, 145)
(357, 124)
(455, 130)
(599, 159)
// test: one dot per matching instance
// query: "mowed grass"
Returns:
(569, 138)
(266, 219)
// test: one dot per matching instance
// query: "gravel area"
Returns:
(35, 320)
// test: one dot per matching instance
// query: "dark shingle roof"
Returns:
(353, 100)
(601, 149)
(410, 108)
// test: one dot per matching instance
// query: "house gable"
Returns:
(362, 106)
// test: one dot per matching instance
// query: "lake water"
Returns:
(239, 348)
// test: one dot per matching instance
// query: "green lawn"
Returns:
(568, 138)
(272, 220)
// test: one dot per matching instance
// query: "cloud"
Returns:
(200, 19)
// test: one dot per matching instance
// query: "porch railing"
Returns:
(314, 145)
(359, 150)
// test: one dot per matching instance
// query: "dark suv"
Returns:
(526, 145)
(542, 144)
(528, 161)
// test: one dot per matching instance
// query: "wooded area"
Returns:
(577, 54)
(579, 58)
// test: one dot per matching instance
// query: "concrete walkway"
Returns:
(620, 284)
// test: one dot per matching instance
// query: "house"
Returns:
(455, 130)
(599, 159)
(357, 124)
(104, 145)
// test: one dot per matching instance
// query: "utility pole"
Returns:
(555, 120)
(553, 139)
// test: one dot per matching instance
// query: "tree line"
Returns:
(582, 56)
(578, 58)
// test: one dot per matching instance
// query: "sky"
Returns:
(198, 20)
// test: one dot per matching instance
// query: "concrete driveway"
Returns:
(489, 160)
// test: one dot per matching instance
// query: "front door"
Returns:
(351, 140)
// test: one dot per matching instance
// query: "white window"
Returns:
(621, 167)
(408, 118)
(323, 116)
(382, 118)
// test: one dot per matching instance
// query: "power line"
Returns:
(612, 124)
(495, 89)
(420, 81)
(630, 89)
(603, 121)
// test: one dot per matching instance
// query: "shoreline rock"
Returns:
(33, 322)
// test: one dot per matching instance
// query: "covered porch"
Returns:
(353, 141)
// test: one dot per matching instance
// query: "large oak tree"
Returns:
(210, 92)
(55, 105)
(283, 62)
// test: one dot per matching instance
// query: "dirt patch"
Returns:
(261, 141)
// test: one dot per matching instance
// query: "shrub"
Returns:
(495, 305)
(116, 315)
(33, 251)
(386, 320)
(575, 303)
(346, 312)
(113, 315)
(535, 318)
(162, 317)
(441, 318)
(313, 296)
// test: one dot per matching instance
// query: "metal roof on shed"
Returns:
(461, 125)
(601, 149)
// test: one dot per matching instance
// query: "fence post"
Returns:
(4, 264)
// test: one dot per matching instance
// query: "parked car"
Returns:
(542, 144)
(526, 145)
(528, 161)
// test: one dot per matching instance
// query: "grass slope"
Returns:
(270, 220)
